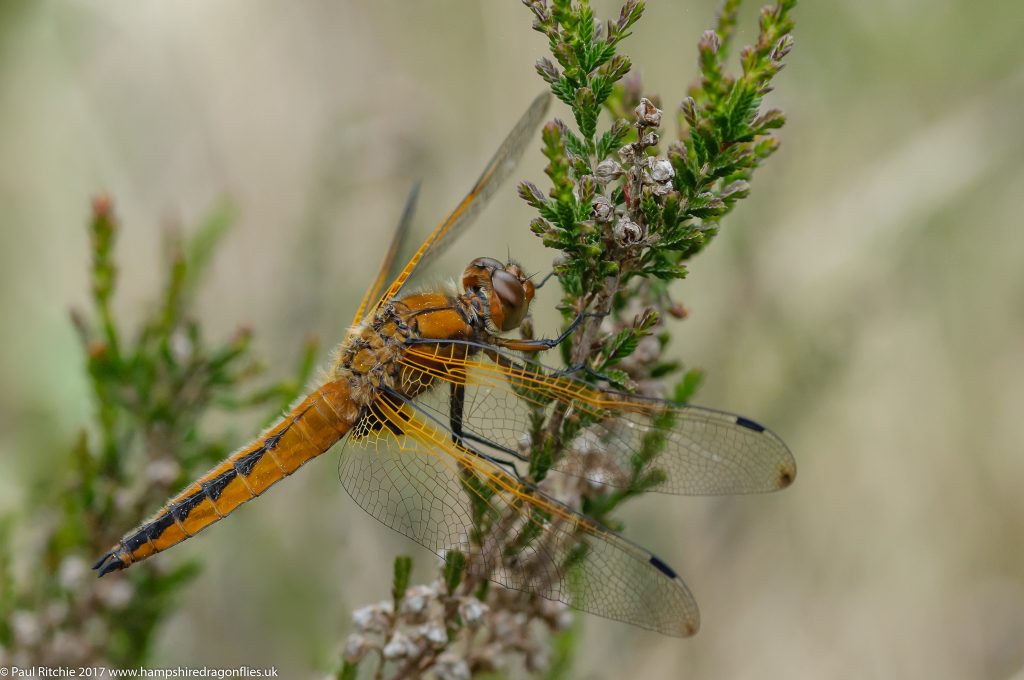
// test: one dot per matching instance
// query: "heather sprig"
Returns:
(151, 389)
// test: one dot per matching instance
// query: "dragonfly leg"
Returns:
(581, 367)
(547, 276)
(456, 406)
(507, 362)
(544, 344)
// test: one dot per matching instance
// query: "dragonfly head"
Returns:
(506, 287)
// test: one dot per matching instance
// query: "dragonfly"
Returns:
(434, 401)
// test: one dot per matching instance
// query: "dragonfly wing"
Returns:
(497, 171)
(623, 438)
(387, 265)
(415, 492)
(402, 467)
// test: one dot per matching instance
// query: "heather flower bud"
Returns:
(709, 42)
(547, 70)
(540, 226)
(689, 109)
(678, 310)
(647, 113)
(584, 97)
(531, 193)
(587, 187)
(738, 189)
(782, 47)
(772, 118)
(616, 68)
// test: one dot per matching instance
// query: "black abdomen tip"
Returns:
(108, 563)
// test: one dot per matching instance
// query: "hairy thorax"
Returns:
(374, 356)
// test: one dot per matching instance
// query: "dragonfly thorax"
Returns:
(373, 357)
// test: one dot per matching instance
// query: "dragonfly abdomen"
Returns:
(307, 431)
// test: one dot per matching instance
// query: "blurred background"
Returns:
(865, 302)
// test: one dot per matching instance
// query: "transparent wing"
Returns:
(623, 440)
(401, 466)
(497, 171)
(387, 265)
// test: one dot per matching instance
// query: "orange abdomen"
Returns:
(311, 428)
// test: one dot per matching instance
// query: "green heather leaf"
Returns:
(664, 368)
(565, 90)
(740, 110)
(563, 645)
(454, 567)
(541, 461)
(575, 145)
(400, 582)
(200, 248)
(621, 346)
(616, 378)
(688, 386)
(348, 671)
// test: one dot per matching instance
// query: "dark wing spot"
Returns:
(662, 567)
(749, 424)
(786, 477)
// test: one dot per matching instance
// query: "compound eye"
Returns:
(488, 263)
(512, 297)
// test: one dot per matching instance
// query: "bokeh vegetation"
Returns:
(150, 390)
(862, 301)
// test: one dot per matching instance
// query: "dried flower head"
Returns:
(603, 211)
(647, 114)
(627, 232)
(662, 170)
(400, 646)
(607, 171)
(356, 647)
